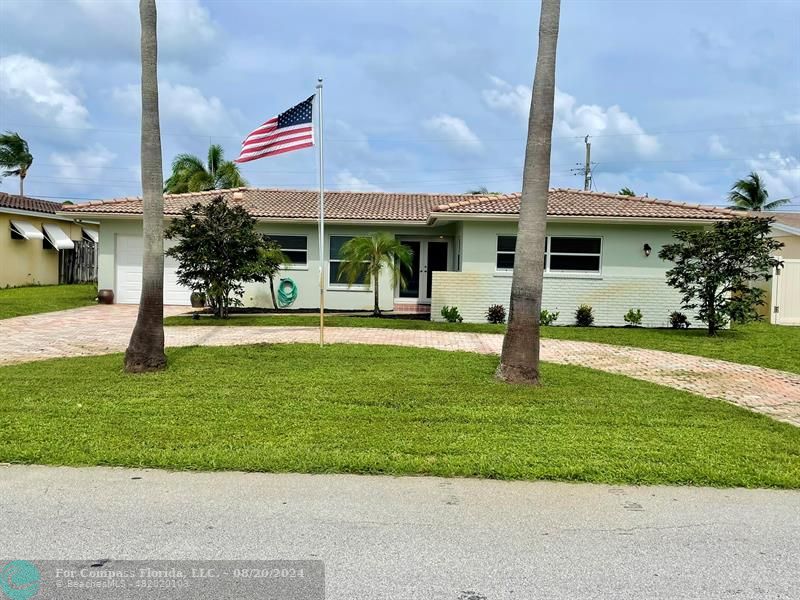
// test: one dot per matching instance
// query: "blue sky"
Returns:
(680, 98)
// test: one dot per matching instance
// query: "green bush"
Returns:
(547, 318)
(496, 314)
(678, 320)
(584, 316)
(451, 314)
(633, 317)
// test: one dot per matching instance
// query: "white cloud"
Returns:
(781, 174)
(182, 105)
(454, 131)
(793, 118)
(505, 97)
(184, 26)
(576, 120)
(716, 147)
(345, 180)
(86, 163)
(42, 90)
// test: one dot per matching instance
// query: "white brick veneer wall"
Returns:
(609, 296)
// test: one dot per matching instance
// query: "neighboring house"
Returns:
(40, 247)
(783, 292)
(602, 248)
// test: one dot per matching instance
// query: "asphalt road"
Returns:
(420, 538)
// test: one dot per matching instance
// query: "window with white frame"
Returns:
(562, 254)
(295, 247)
(335, 260)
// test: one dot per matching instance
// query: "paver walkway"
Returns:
(103, 329)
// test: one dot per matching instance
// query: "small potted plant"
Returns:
(198, 299)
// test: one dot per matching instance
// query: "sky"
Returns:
(679, 98)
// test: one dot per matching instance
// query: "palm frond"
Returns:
(15, 155)
(228, 176)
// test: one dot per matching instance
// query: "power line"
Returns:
(411, 139)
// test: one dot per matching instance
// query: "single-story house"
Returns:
(783, 291)
(39, 246)
(602, 249)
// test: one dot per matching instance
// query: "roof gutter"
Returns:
(57, 216)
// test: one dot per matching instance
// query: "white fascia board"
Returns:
(33, 213)
(446, 217)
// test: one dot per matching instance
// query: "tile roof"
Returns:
(579, 203)
(410, 207)
(28, 203)
(790, 219)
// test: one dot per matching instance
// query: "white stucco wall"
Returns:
(337, 296)
(628, 278)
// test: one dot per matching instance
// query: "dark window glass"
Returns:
(295, 247)
(575, 245)
(296, 257)
(290, 242)
(506, 243)
(565, 262)
(505, 261)
(334, 276)
(337, 241)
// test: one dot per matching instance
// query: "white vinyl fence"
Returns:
(785, 309)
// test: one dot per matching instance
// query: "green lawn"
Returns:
(759, 344)
(380, 409)
(15, 302)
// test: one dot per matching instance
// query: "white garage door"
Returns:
(129, 274)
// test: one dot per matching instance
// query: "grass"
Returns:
(380, 409)
(29, 300)
(760, 344)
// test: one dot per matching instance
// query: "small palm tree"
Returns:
(189, 174)
(367, 255)
(750, 194)
(270, 260)
(626, 191)
(15, 158)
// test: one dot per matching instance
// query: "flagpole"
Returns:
(321, 167)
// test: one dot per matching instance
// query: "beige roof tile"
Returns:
(27, 203)
(390, 206)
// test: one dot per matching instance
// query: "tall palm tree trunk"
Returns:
(376, 307)
(22, 184)
(519, 361)
(146, 348)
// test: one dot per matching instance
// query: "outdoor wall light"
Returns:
(647, 249)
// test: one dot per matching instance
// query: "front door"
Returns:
(427, 256)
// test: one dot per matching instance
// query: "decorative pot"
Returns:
(197, 299)
(105, 296)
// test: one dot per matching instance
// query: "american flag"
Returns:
(290, 130)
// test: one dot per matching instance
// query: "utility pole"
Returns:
(587, 168)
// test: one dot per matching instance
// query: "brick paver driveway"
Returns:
(104, 329)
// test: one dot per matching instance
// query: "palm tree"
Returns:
(750, 194)
(368, 255)
(189, 174)
(626, 191)
(146, 348)
(270, 260)
(15, 158)
(519, 361)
